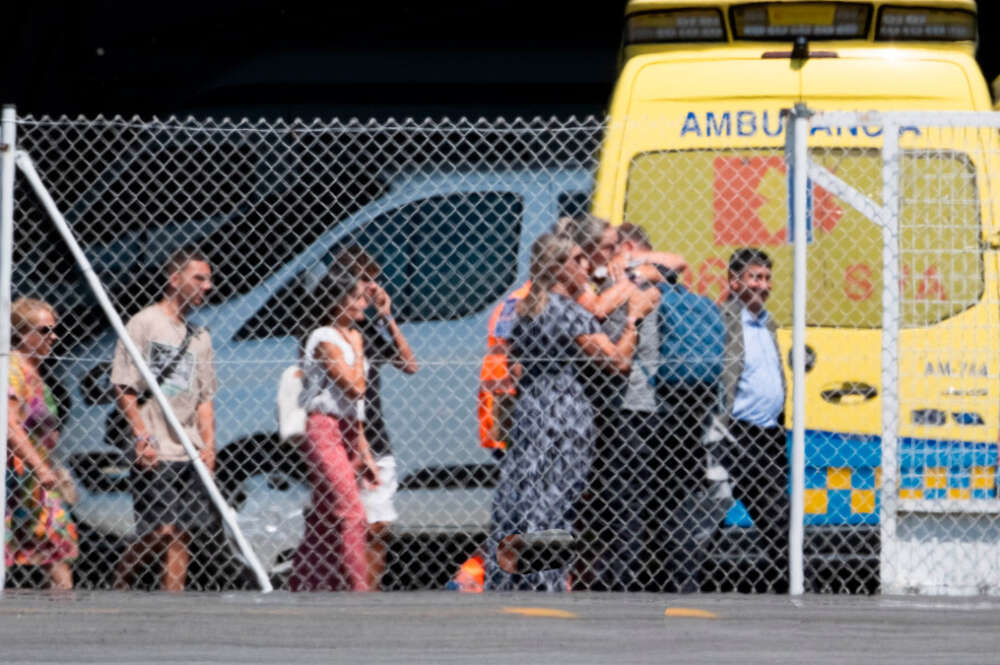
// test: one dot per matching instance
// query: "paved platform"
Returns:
(518, 629)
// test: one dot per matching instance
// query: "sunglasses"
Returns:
(45, 331)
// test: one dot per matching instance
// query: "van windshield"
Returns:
(705, 203)
(442, 258)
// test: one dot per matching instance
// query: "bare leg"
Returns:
(176, 559)
(375, 554)
(60, 576)
(139, 551)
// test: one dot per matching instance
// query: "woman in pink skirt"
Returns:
(331, 556)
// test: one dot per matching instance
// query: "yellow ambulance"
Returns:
(694, 153)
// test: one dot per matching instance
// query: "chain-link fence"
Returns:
(655, 457)
(920, 399)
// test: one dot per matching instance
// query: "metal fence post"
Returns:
(800, 184)
(8, 138)
(890, 346)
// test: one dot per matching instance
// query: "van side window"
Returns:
(572, 204)
(442, 258)
(450, 256)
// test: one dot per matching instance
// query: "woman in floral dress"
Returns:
(39, 529)
(552, 439)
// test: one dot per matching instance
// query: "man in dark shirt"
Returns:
(383, 343)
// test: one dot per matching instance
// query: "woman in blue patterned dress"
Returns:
(552, 437)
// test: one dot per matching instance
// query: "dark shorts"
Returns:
(171, 493)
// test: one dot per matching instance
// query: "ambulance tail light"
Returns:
(679, 25)
(925, 24)
(787, 20)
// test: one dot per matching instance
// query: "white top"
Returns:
(321, 394)
(291, 415)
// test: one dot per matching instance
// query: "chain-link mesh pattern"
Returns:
(938, 522)
(642, 481)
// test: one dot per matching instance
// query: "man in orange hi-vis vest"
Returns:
(494, 378)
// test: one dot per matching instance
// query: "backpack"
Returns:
(692, 340)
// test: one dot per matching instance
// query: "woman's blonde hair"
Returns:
(548, 252)
(22, 315)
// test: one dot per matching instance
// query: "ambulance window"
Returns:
(705, 204)
(447, 257)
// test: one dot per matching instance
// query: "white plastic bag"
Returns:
(291, 415)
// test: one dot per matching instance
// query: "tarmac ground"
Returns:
(521, 629)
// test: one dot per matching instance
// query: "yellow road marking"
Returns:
(540, 612)
(276, 611)
(690, 612)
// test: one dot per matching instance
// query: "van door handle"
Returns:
(848, 392)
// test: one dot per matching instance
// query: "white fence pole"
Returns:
(8, 137)
(890, 348)
(25, 164)
(800, 185)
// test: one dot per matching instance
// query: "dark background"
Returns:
(291, 58)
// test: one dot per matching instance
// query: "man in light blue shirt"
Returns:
(760, 393)
(754, 391)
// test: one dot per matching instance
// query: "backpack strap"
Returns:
(189, 332)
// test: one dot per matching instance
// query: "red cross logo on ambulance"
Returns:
(750, 203)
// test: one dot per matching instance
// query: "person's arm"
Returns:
(125, 377)
(601, 305)
(369, 469)
(21, 446)
(128, 402)
(350, 379)
(618, 355)
(613, 355)
(675, 262)
(403, 358)
(646, 263)
(644, 301)
(206, 428)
